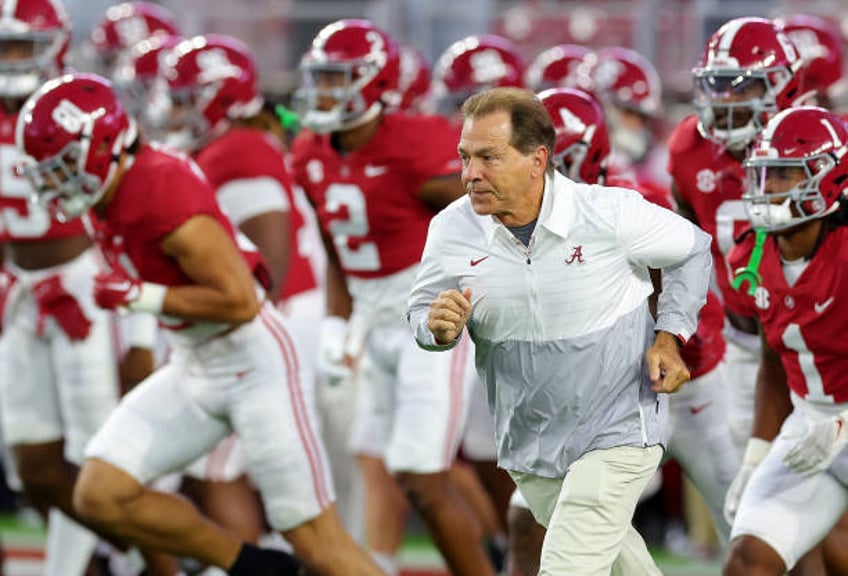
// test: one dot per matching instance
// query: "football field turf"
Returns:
(24, 555)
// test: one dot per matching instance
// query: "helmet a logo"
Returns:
(132, 30)
(215, 65)
(487, 66)
(571, 122)
(788, 48)
(69, 116)
(607, 72)
(808, 44)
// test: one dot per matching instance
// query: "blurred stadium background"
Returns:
(670, 33)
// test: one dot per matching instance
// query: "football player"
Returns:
(58, 374)
(123, 26)
(822, 45)
(212, 109)
(476, 62)
(749, 71)
(560, 66)
(234, 367)
(375, 180)
(629, 87)
(789, 273)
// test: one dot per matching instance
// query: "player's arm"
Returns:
(683, 207)
(440, 191)
(270, 232)
(339, 301)
(224, 288)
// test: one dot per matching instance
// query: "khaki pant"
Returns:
(588, 513)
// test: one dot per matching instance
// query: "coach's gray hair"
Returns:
(531, 124)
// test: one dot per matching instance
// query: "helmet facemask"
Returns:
(60, 183)
(27, 60)
(176, 116)
(733, 105)
(340, 85)
(776, 211)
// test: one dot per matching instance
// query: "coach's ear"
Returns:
(540, 162)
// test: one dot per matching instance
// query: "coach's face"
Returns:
(499, 179)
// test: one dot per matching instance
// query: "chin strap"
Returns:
(750, 273)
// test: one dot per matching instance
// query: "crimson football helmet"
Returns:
(626, 79)
(349, 75)
(204, 83)
(749, 70)
(40, 29)
(72, 132)
(627, 82)
(821, 45)
(414, 81)
(582, 144)
(564, 65)
(126, 24)
(473, 64)
(135, 77)
(806, 137)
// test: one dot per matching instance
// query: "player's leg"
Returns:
(386, 510)
(526, 536)
(701, 441)
(386, 507)
(782, 515)
(55, 396)
(742, 360)
(478, 447)
(161, 426)
(219, 485)
(336, 399)
(432, 400)
(273, 411)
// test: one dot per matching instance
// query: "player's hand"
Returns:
(54, 301)
(115, 289)
(449, 313)
(666, 368)
(332, 362)
(819, 445)
(755, 451)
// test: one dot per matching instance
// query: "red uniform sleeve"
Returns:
(433, 147)
(257, 155)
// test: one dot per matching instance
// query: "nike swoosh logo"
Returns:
(374, 171)
(475, 262)
(698, 409)
(821, 307)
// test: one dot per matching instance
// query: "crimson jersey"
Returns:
(243, 154)
(805, 323)
(157, 194)
(20, 219)
(367, 201)
(705, 349)
(711, 181)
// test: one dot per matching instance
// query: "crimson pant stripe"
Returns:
(307, 435)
